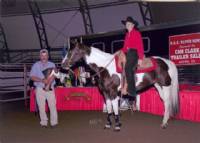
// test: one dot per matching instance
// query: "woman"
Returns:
(131, 54)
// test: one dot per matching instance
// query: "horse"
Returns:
(164, 78)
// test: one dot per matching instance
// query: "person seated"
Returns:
(131, 55)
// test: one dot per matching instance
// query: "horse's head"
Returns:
(74, 55)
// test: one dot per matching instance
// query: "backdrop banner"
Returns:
(185, 49)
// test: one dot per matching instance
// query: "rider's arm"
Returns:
(139, 45)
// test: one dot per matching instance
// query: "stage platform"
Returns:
(89, 98)
(74, 98)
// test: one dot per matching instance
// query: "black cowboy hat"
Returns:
(130, 19)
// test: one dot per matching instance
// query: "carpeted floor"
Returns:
(18, 125)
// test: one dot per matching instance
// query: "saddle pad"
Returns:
(148, 64)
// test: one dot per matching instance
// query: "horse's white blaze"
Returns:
(65, 58)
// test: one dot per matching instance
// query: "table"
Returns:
(74, 98)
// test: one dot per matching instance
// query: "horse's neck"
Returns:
(102, 59)
(98, 57)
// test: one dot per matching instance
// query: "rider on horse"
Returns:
(131, 55)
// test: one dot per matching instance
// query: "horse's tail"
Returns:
(174, 87)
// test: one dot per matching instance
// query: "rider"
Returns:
(131, 54)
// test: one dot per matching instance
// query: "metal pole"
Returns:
(25, 84)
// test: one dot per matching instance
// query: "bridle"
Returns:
(69, 60)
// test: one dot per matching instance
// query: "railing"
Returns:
(14, 78)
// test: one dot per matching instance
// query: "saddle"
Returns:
(147, 65)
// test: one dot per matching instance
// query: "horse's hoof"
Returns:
(107, 126)
(164, 126)
(117, 128)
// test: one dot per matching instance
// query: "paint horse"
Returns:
(164, 78)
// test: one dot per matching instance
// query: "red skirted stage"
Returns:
(74, 98)
(89, 98)
(189, 104)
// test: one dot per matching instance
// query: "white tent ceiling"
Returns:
(62, 18)
(161, 11)
(20, 7)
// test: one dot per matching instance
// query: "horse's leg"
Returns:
(164, 94)
(115, 105)
(167, 105)
(109, 122)
(109, 114)
(137, 100)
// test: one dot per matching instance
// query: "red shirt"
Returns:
(133, 39)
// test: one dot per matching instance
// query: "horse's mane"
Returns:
(100, 52)
(95, 55)
(88, 49)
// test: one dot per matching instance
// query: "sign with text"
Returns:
(185, 49)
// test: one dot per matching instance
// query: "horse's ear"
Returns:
(74, 42)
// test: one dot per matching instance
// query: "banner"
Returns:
(185, 49)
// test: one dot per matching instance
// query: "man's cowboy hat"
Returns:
(130, 19)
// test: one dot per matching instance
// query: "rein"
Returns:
(104, 68)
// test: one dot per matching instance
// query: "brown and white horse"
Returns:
(164, 78)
